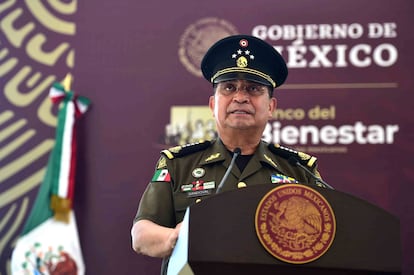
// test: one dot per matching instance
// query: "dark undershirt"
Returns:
(242, 160)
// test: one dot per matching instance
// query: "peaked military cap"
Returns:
(244, 57)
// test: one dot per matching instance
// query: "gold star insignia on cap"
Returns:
(244, 57)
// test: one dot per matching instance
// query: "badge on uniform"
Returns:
(198, 172)
(280, 178)
(198, 188)
(161, 175)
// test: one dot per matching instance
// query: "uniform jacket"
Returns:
(188, 174)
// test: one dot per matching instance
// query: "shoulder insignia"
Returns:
(180, 151)
(286, 153)
(162, 163)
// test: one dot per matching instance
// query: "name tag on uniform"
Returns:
(198, 188)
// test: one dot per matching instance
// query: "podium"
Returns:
(218, 236)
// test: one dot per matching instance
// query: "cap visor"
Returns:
(244, 76)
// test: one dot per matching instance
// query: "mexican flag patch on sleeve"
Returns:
(161, 175)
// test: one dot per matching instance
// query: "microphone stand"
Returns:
(236, 153)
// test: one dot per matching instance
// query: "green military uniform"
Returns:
(187, 174)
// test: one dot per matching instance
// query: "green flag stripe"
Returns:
(41, 208)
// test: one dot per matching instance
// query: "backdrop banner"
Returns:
(347, 101)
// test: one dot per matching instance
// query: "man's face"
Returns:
(242, 105)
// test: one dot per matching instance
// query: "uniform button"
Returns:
(198, 200)
(241, 184)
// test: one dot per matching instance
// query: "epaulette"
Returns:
(183, 150)
(305, 159)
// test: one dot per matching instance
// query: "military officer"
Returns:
(244, 71)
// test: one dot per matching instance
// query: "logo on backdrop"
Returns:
(198, 38)
(313, 129)
(295, 223)
(348, 49)
(342, 45)
(190, 124)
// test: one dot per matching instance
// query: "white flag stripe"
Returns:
(163, 174)
(82, 107)
(66, 150)
(54, 92)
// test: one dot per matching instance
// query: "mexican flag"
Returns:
(49, 242)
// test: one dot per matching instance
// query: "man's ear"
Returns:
(211, 104)
(272, 106)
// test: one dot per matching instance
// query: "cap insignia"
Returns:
(244, 43)
(242, 58)
(242, 55)
(242, 62)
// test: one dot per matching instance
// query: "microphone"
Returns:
(294, 162)
(236, 153)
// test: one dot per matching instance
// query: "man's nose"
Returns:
(241, 94)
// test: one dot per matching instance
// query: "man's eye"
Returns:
(255, 89)
(252, 88)
(230, 87)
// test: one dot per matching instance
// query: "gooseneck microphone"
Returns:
(236, 153)
(294, 162)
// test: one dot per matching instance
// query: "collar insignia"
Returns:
(213, 156)
(269, 160)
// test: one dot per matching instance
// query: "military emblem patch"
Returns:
(161, 175)
(280, 178)
(198, 172)
(295, 223)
